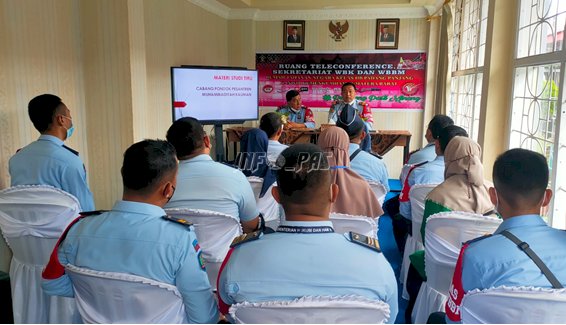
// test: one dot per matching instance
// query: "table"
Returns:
(382, 141)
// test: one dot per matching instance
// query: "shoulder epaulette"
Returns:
(245, 238)
(421, 163)
(180, 221)
(76, 153)
(365, 241)
(92, 213)
(478, 239)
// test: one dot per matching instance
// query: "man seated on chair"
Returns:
(48, 161)
(520, 195)
(368, 165)
(272, 125)
(205, 184)
(305, 257)
(135, 238)
(428, 152)
(426, 172)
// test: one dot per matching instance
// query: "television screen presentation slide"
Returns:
(215, 95)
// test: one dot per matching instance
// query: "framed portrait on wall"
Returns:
(294, 35)
(387, 34)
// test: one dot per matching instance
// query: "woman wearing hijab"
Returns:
(252, 160)
(355, 197)
(463, 188)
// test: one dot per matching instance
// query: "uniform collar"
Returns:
(46, 137)
(528, 220)
(439, 158)
(295, 111)
(429, 144)
(307, 223)
(353, 103)
(353, 146)
(201, 157)
(138, 208)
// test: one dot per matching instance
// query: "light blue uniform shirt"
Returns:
(274, 149)
(47, 162)
(285, 266)
(497, 261)
(133, 238)
(203, 183)
(299, 116)
(429, 173)
(368, 166)
(427, 153)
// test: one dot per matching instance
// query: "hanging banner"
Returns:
(383, 80)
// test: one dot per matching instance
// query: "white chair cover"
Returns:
(312, 310)
(32, 218)
(379, 190)
(215, 232)
(361, 224)
(417, 197)
(445, 233)
(267, 204)
(110, 297)
(517, 305)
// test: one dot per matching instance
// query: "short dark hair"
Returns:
(291, 94)
(438, 123)
(520, 177)
(294, 27)
(448, 133)
(270, 123)
(186, 135)
(302, 169)
(42, 109)
(348, 84)
(146, 163)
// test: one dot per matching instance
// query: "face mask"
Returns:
(71, 129)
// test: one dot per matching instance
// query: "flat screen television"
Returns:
(215, 95)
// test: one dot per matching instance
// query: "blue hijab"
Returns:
(252, 159)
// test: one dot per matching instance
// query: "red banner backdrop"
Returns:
(384, 80)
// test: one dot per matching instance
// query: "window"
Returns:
(537, 109)
(470, 24)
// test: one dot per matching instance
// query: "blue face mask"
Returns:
(71, 129)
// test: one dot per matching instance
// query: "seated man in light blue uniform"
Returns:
(298, 116)
(272, 125)
(368, 165)
(135, 238)
(48, 161)
(305, 256)
(203, 183)
(427, 153)
(520, 195)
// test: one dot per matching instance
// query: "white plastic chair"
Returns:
(445, 233)
(312, 310)
(379, 190)
(111, 297)
(32, 218)
(517, 305)
(215, 232)
(417, 198)
(267, 204)
(361, 224)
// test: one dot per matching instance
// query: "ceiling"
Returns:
(324, 4)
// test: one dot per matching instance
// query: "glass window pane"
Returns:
(541, 27)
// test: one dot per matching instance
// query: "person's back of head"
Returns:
(271, 124)
(149, 172)
(447, 134)
(351, 122)
(187, 136)
(436, 124)
(520, 177)
(304, 185)
(42, 109)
